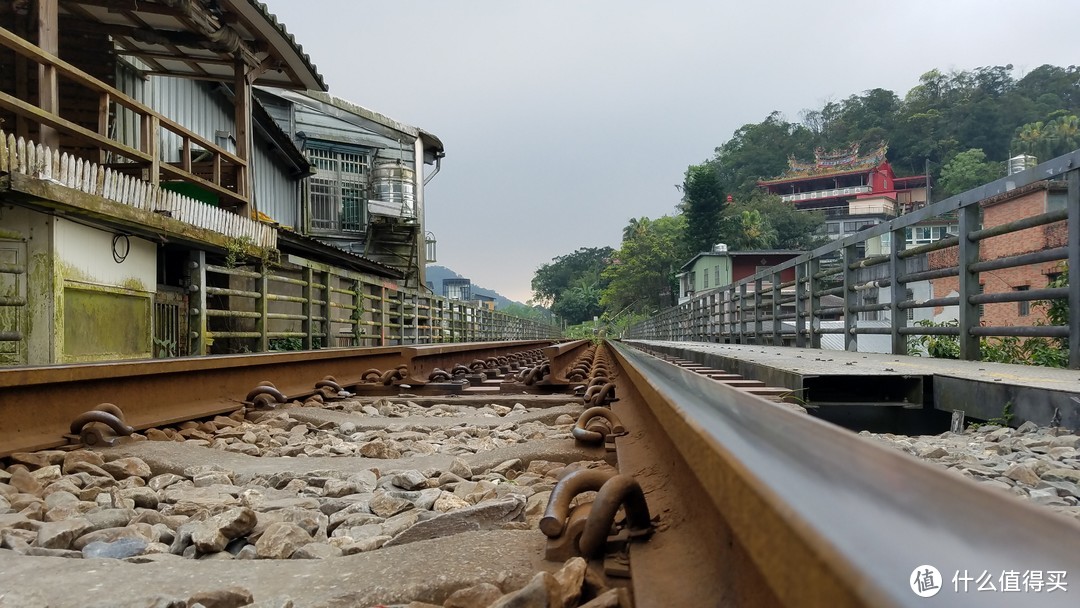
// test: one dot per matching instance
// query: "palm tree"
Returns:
(754, 231)
(636, 228)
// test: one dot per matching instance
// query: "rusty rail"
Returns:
(423, 360)
(562, 356)
(38, 404)
(820, 516)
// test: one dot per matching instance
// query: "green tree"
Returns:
(967, 170)
(702, 204)
(525, 311)
(776, 224)
(551, 279)
(1046, 140)
(748, 229)
(572, 283)
(642, 274)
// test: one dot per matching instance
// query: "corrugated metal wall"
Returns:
(276, 194)
(126, 125)
(202, 109)
(193, 104)
(317, 125)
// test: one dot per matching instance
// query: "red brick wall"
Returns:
(1007, 279)
(744, 266)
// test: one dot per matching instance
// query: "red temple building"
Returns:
(855, 191)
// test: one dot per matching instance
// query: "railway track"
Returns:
(523, 474)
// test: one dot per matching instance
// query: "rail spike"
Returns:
(88, 426)
(585, 433)
(266, 396)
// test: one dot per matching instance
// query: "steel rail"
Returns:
(37, 404)
(561, 357)
(832, 519)
(422, 360)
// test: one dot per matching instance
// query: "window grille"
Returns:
(336, 192)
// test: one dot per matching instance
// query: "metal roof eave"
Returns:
(284, 44)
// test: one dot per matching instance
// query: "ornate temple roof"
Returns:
(833, 162)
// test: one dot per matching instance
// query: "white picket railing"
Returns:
(41, 162)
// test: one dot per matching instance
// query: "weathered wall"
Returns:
(105, 306)
(25, 240)
(1033, 276)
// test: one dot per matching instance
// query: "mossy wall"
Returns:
(105, 288)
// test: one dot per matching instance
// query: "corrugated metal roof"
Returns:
(292, 242)
(298, 50)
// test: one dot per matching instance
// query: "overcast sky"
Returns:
(562, 119)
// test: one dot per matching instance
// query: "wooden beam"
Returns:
(116, 6)
(194, 66)
(46, 119)
(22, 75)
(154, 55)
(242, 103)
(48, 16)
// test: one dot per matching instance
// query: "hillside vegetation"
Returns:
(959, 126)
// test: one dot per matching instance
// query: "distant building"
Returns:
(856, 191)
(457, 289)
(720, 267)
(1027, 201)
(482, 301)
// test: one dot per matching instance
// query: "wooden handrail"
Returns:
(31, 51)
(19, 106)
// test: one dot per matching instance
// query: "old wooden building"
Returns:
(165, 189)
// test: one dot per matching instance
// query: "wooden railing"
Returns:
(40, 162)
(224, 169)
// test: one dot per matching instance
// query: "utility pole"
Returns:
(926, 171)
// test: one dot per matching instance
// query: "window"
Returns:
(705, 279)
(336, 192)
(832, 228)
(717, 275)
(1023, 308)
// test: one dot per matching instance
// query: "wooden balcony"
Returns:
(203, 163)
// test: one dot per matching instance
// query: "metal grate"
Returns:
(170, 326)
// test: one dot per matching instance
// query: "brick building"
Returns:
(1031, 200)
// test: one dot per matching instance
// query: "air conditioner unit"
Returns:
(719, 248)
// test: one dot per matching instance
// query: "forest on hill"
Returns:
(958, 126)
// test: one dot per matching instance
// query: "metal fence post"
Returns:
(777, 323)
(197, 305)
(757, 311)
(813, 267)
(740, 314)
(800, 308)
(851, 339)
(1073, 203)
(898, 292)
(969, 282)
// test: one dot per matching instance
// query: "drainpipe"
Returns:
(421, 249)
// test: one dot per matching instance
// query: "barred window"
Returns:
(336, 193)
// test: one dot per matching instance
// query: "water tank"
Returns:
(394, 183)
(719, 248)
(1022, 162)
